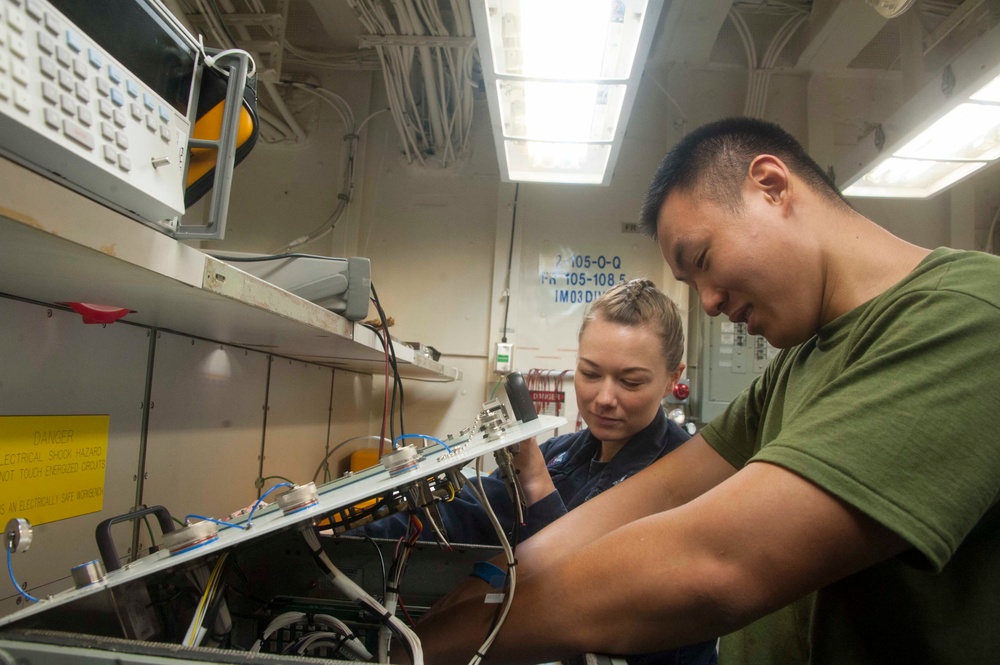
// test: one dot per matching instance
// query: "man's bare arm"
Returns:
(758, 541)
(676, 478)
(680, 476)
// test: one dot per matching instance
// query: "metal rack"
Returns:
(59, 246)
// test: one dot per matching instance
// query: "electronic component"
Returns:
(103, 102)
(339, 285)
(129, 601)
(298, 498)
(190, 537)
(87, 573)
(504, 363)
(73, 111)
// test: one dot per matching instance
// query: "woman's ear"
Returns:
(675, 376)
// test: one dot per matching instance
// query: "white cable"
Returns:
(370, 116)
(338, 103)
(210, 60)
(346, 114)
(778, 43)
(218, 33)
(360, 596)
(433, 116)
(291, 618)
(283, 111)
(309, 640)
(352, 642)
(511, 564)
(274, 122)
(751, 55)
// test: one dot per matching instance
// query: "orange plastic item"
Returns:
(208, 127)
(360, 460)
(363, 459)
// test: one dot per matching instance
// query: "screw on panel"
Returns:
(145, 476)
(48, 313)
(135, 477)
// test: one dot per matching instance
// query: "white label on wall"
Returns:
(574, 278)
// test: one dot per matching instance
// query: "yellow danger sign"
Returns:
(52, 467)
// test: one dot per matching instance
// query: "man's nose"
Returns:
(713, 300)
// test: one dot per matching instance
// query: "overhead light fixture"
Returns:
(945, 133)
(890, 8)
(561, 76)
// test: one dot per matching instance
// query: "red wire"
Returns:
(399, 599)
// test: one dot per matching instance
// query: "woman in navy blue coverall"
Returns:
(630, 348)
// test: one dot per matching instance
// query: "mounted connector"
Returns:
(18, 535)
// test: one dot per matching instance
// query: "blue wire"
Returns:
(214, 521)
(10, 569)
(261, 500)
(420, 436)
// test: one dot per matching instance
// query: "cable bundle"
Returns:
(340, 636)
(760, 73)
(197, 630)
(362, 598)
(430, 84)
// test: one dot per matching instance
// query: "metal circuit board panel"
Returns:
(337, 494)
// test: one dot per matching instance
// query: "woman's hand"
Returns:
(532, 472)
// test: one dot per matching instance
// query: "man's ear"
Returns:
(771, 177)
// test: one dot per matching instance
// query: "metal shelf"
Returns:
(57, 246)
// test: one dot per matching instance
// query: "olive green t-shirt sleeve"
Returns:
(902, 426)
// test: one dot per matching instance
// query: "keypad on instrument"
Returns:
(51, 75)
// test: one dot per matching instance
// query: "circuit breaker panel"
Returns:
(728, 358)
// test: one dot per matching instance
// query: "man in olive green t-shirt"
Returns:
(853, 484)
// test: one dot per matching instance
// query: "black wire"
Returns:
(397, 381)
(395, 373)
(347, 518)
(381, 339)
(270, 257)
(510, 261)
(222, 24)
(381, 560)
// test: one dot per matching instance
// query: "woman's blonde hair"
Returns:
(639, 303)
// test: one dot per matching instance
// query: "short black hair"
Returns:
(713, 160)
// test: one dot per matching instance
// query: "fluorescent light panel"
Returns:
(561, 76)
(957, 136)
